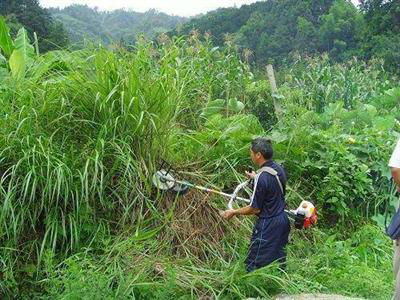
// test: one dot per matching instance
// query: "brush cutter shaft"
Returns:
(202, 188)
(303, 217)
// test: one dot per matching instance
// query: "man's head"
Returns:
(261, 151)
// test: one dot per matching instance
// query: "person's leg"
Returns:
(252, 257)
(396, 267)
(272, 243)
(251, 260)
(284, 243)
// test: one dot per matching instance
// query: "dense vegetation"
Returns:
(275, 29)
(36, 20)
(120, 26)
(82, 133)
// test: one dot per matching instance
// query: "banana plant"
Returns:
(6, 43)
(16, 56)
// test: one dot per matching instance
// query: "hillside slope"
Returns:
(83, 22)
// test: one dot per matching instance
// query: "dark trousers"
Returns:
(268, 242)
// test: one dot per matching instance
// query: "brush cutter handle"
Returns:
(202, 188)
(234, 196)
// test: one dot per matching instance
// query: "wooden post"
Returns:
(274, 88)
(36, 43)
(271, 76)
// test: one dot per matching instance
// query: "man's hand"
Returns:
(251, 175)
(228, 214)
(244, 211)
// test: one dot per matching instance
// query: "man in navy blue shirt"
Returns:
(271, 230)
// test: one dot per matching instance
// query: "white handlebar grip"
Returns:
(235, 192)
(230, 203)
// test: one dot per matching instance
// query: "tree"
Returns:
(341, 29)
(307, 36)
(382, 34)
(278, 28)
(381, 16)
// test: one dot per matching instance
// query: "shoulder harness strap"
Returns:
(272, 172)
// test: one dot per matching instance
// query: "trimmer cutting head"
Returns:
(164, 181)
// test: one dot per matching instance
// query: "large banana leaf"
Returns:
(22, 55)
(18, 64)
(22, 43)
(6, 43)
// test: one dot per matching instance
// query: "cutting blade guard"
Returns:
(165, 181)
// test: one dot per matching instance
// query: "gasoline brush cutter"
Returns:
(303, 217)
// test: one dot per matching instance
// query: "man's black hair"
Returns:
(264, 146)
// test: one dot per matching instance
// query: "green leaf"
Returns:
(240, 105)
(3, 60)
(372, 111)
(30, 269)
(384, 123)
(146, 235)
(235, 105)
(217, 103)
(17, 64)
(332, 200)
(277, 96)
(22, 55)
(213, 108)
(22, 44)
(279, 137)
(214, 49)
(3, 73)
(6, 43)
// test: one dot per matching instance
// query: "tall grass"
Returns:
(82, 134)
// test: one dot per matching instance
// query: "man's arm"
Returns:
(394, 164)
(244, 211)
(255, 202)
(396, 176)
